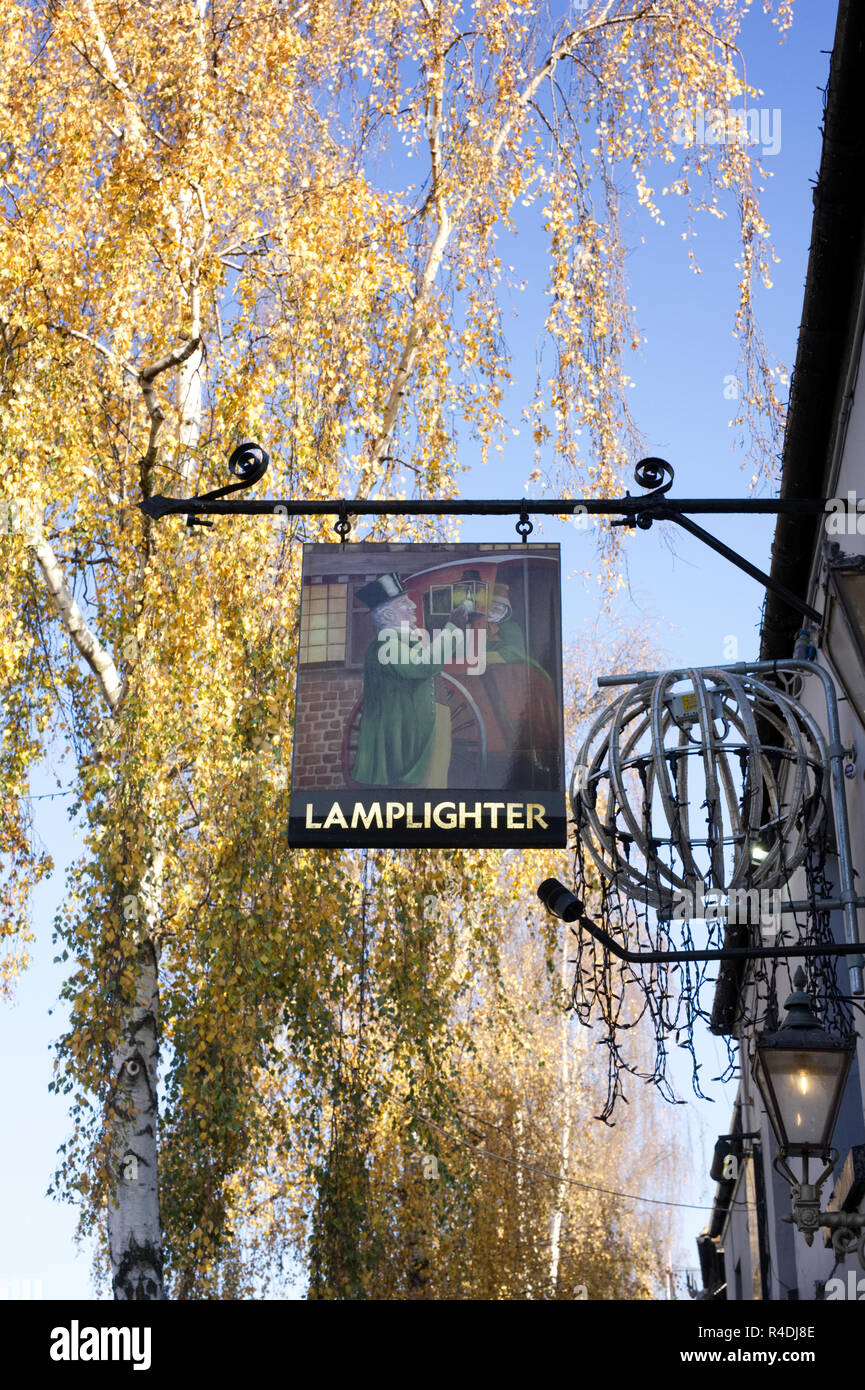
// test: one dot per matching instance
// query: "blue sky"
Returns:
(695, 600)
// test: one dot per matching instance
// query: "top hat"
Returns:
(381, 590)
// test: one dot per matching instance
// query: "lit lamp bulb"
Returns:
(803, 1085)
(465, 593)
(759, 851)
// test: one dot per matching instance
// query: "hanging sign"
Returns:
(429, 697)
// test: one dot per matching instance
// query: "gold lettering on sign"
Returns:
(444, 815)
(450, 822)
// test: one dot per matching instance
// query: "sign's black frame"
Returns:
(401, 816)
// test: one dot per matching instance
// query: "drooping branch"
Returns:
(557, 54)
(447, 219)
(428, 275)
(146, 376)
(134, 125)
(105, 352)
(88, 644)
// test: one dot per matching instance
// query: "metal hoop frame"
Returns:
(831, 760)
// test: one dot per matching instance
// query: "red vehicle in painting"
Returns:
(504, 705)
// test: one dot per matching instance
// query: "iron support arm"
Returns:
(725, 953)
(669, 513)
(627, 507)
(249, 462)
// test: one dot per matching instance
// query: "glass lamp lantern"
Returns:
(469, 591)
(801, 1073)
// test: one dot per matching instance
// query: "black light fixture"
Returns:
(801, 1072)
(559, 900)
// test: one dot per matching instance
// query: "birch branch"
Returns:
(105, 352)
(425, 284)
(447, 222)
(146, 378)
(564, 50)
(88, 644)
(134, 123)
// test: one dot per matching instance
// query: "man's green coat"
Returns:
(397, 727)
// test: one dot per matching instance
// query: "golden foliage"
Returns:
(211, 229)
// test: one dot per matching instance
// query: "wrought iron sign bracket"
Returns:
(249, 463)
(845, 948)
(567, 906)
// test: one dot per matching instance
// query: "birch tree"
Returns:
(199, 244)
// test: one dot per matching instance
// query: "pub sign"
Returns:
(429, 697)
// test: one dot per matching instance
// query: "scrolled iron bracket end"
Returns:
(656, 475)
(651, 473)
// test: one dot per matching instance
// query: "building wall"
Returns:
(797, 1270)
(739, 1241)
(326, 697)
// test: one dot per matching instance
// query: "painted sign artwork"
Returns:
(429, 697)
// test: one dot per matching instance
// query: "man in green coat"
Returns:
(506, 642)
(404, 735)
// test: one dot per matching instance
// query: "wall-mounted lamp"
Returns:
(801, 1072)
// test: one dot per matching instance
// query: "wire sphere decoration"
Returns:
(700, 777)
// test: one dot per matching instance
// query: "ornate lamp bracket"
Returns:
(847, 1227)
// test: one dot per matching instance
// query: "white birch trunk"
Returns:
(189, 385)
(134, 1225)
